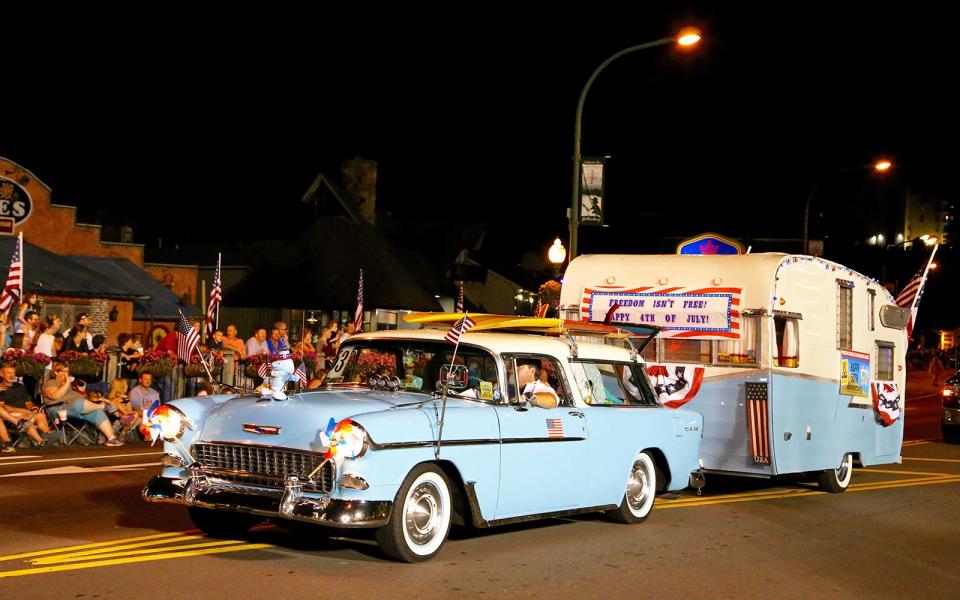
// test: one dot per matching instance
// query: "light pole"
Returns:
(881, 166)
(688, 37)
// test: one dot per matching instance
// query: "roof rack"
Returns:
(537, 325)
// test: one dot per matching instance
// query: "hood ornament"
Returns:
(262, 429)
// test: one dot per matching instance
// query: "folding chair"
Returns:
(73, 430)
(16, 435)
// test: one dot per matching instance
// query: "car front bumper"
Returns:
(287, 503)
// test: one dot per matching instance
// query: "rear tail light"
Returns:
(949, 398)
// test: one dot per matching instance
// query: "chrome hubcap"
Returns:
(422, 515)
(842, 470)
(638, 486)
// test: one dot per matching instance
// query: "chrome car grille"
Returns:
(262, 465)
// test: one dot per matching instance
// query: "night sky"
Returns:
(223, 118)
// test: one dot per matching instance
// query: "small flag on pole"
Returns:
(909, 296)
(187, 338)
(459, 328)
(11, 289)
(264, 369)
(358, 316)
(460, 301)
(216, 296)
(301, 373)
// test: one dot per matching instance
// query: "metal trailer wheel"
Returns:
(837, 480)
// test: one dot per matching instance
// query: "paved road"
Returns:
(923, 407)
(74, 527)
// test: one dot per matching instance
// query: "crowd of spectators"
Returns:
(37, 406)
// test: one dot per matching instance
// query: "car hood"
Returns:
(295, 422)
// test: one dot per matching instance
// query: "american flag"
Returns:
(460, 327)
(216, 295)
(187, 338)
(554, 428)
(11, 290)
(301, 373)
(460, 301)
(909, 296)
(358, 316)
(264, 369)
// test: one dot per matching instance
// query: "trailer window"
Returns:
(844, 314)
(744, 350)
(872, 309)
(787, 349)
(686, 351)
(885, 361)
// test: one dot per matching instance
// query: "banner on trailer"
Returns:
(854, 374)
(701, 313)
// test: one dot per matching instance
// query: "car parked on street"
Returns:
(411, 434)
(950, 417)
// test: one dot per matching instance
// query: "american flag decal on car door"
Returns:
(758, 422)
(554, 428)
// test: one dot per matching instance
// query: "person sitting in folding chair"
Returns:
(57, 394)
(14, 402)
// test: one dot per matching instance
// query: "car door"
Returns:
(543, 451)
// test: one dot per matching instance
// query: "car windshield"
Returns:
(418, 365)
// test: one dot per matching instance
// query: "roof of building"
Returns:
(153, 300)
(322, 266)
(51, 274)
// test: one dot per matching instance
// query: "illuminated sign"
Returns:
(710, 243)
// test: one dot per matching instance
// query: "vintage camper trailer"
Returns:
(796, 363)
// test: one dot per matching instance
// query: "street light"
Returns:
(881, 166)
(557, 254)
(687, 39)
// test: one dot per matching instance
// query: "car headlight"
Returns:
(347, 439)
(169, 421)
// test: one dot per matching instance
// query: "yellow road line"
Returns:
(908, 484)
(903, 472)
(109, 549)
(97, 544)
(787, 493)
(916, 442)
(946, 460)
(730, 499)
(157, 551)
(131, 559)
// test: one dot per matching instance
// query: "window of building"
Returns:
(67, 312)
(787, 342)
(844, 314)
(885, 361)
(872, 308)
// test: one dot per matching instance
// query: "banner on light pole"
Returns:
(591, 191)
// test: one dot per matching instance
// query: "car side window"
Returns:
(612, 384)
(550, 374)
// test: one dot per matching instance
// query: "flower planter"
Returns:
(197, 370)
(156, 369)
(84, 367)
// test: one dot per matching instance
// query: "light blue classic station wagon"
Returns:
(407, 438)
